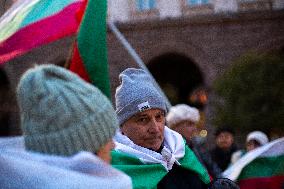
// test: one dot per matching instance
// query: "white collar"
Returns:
(173, 150)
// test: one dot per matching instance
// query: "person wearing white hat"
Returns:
(183, 118)
(254, 140)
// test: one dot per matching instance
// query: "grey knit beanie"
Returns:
(62, 114)
(136, 93)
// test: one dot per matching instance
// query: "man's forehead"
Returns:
(149, 112)
(226, 133)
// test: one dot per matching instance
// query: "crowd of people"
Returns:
(74, 138)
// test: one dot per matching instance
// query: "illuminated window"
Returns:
(197, 2)
(144, 5)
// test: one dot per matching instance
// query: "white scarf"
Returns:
(173, 150)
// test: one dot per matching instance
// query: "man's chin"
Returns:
(155, 147)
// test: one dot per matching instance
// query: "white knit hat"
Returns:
(258, 136)
(182, 112)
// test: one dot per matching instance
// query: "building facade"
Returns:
(129, 10)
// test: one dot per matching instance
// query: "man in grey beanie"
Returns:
(153, 155)
(68, 126)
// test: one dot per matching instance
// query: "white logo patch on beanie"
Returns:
(144, 106)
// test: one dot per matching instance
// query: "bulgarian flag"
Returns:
(89, 59)
(147, 176)
(29, 24)
(262, 168)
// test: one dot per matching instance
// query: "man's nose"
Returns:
(154, 127)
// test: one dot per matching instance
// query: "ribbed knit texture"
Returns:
(135, 88)
(61, 114)
(180, 113)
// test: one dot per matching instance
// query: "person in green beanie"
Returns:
(68, 126)
(153, 155)
(62, 115)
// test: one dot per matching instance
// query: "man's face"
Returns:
(146, 128)
(252, 144)
(186, 128)
(224, 140)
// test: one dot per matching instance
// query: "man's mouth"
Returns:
(157, 138)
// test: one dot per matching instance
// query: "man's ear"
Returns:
(121, 129)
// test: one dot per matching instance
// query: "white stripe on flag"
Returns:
(274, 148)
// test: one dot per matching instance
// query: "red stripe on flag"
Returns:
(275, 182)
(77, 65)
(62, 24)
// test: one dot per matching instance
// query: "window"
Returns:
(144, 5)
(197, 2)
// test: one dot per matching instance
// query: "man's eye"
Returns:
(142, 120)
(160, 117)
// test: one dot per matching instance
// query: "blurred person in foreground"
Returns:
(68, 126)
(255, 139)
(224, 147)
(183, 119)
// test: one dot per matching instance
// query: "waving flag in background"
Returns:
(90, 54)
(262, 168)
(29, 24)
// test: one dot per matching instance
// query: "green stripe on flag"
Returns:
(141, 174)
(191, 162)
(92, 44)
(151, 174)
(263, 167)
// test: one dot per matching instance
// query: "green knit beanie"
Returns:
(62, 114)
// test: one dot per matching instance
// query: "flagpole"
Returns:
(137, 59)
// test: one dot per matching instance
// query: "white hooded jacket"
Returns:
(20, 169)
